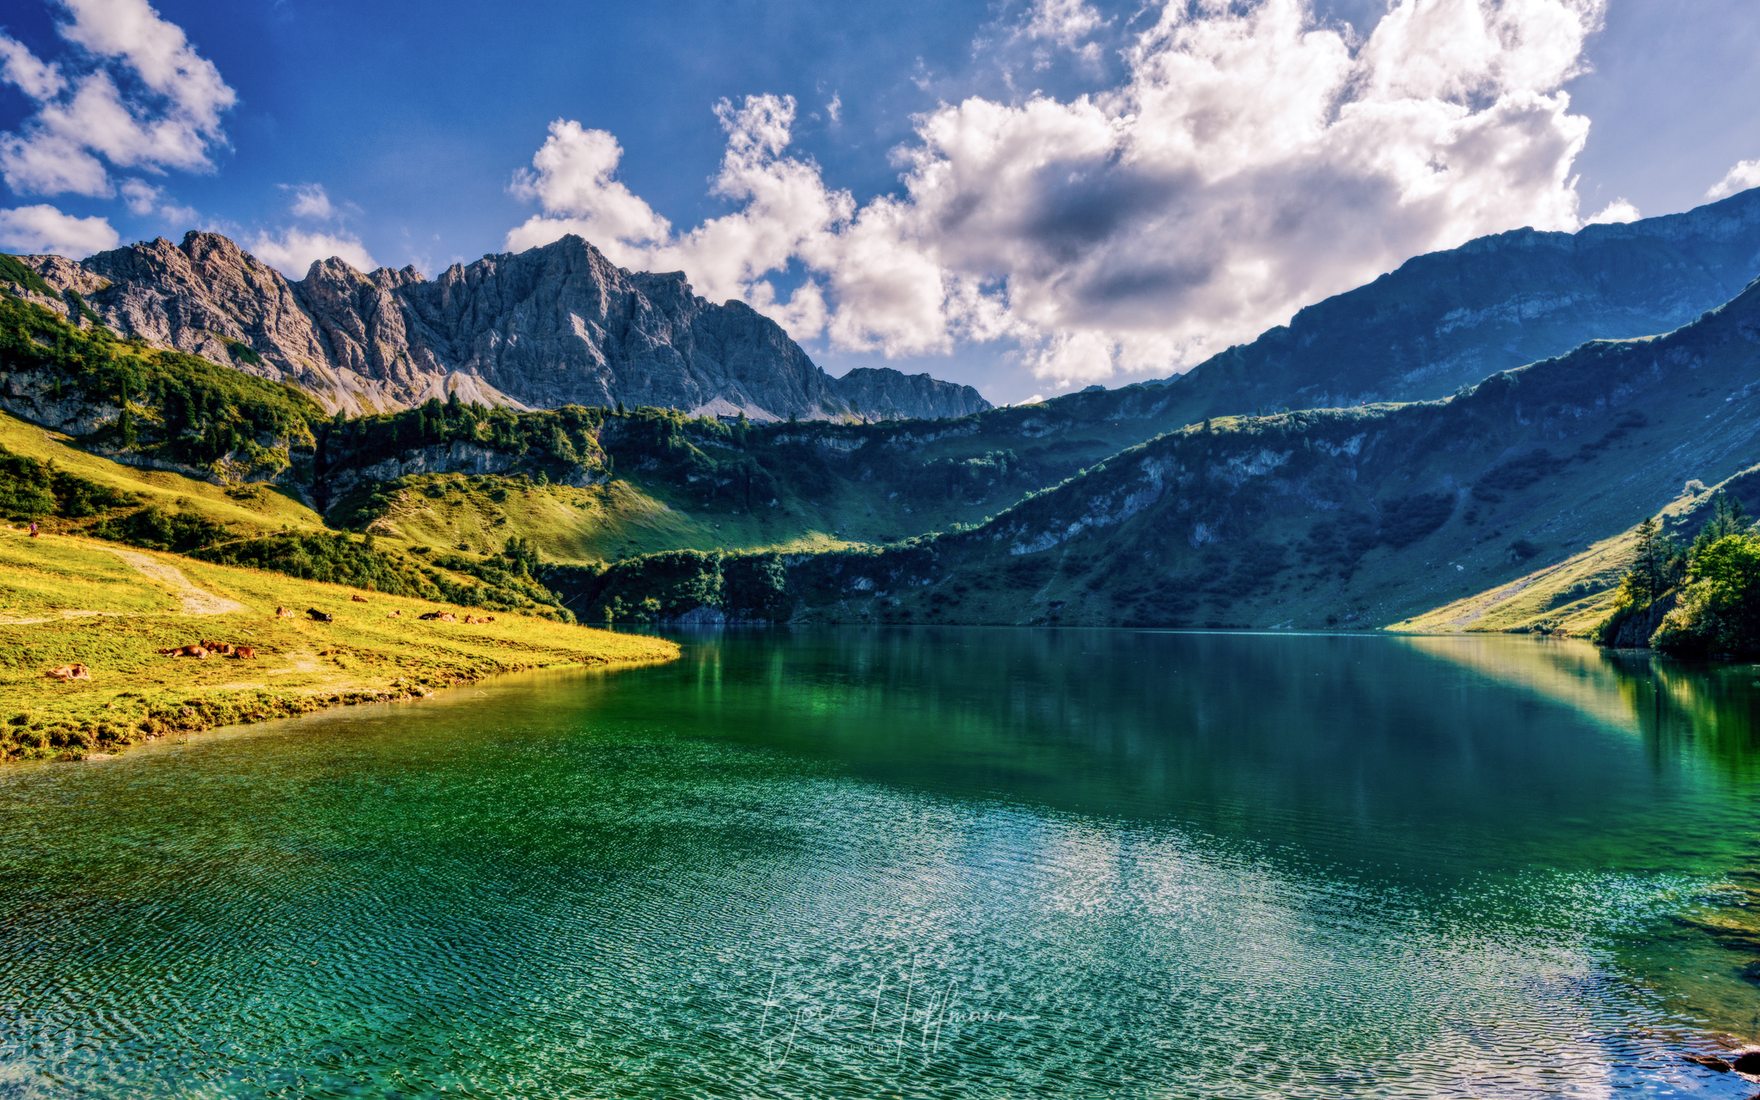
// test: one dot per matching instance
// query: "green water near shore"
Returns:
(928, 863)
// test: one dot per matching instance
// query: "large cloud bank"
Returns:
(1254, 159)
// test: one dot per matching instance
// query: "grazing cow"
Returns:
(357, 599)
(70, 672)
(244, 653)
(200, 653)
(284, 612)
(317, 616)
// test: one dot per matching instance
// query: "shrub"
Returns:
(31, 489)
(154, 528)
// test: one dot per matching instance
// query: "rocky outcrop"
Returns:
(881, 393)
(551, 326)
(42, 400)
(456, 457)
(1635, 627)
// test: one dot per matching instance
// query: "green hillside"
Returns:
(587, 485)
(1355, 517)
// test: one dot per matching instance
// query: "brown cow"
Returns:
(394, 615)
(243, 653)
(358, 599)
(70, 672)
(200, 653)
(284, 612)
(223, 649)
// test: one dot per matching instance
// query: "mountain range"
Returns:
(1492, 418)
(550, 326)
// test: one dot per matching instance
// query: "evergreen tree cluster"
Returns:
(1708, 593)
(170, 406)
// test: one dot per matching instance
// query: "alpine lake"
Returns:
(917, 862)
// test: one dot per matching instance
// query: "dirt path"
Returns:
(196, 601)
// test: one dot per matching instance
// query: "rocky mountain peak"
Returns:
(335, 270)
(554, 325)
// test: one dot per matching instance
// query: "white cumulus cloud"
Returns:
(146, 199)
(169, 117)
(1064, 23)
(311, 200)
(45, 229)
(1619, 210)
(1254, 159)
(36, 78)
(157, 51)
(571, 181)
(294, 251)
(1742, 176)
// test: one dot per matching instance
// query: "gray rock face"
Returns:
(552, 326)
(457, 457)
(880, 393)
(37, 399)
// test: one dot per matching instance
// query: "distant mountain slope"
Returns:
(581, 483)
(881, 393)
(551, 326)
(1368, 516)
(1438, 323)
(1445, 320)
(1345, 517)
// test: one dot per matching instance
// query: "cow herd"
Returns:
(204, 649)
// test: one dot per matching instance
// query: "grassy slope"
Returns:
(1575, 595)
(249, 511)
(1569, 597)
(577, 525)
(252, 508)
(94, 608)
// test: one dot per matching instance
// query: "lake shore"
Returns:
(67, 602)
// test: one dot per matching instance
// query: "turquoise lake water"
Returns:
(920, 863)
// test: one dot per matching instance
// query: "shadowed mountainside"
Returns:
(1350, 517)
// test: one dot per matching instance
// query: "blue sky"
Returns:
(1031, 196)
